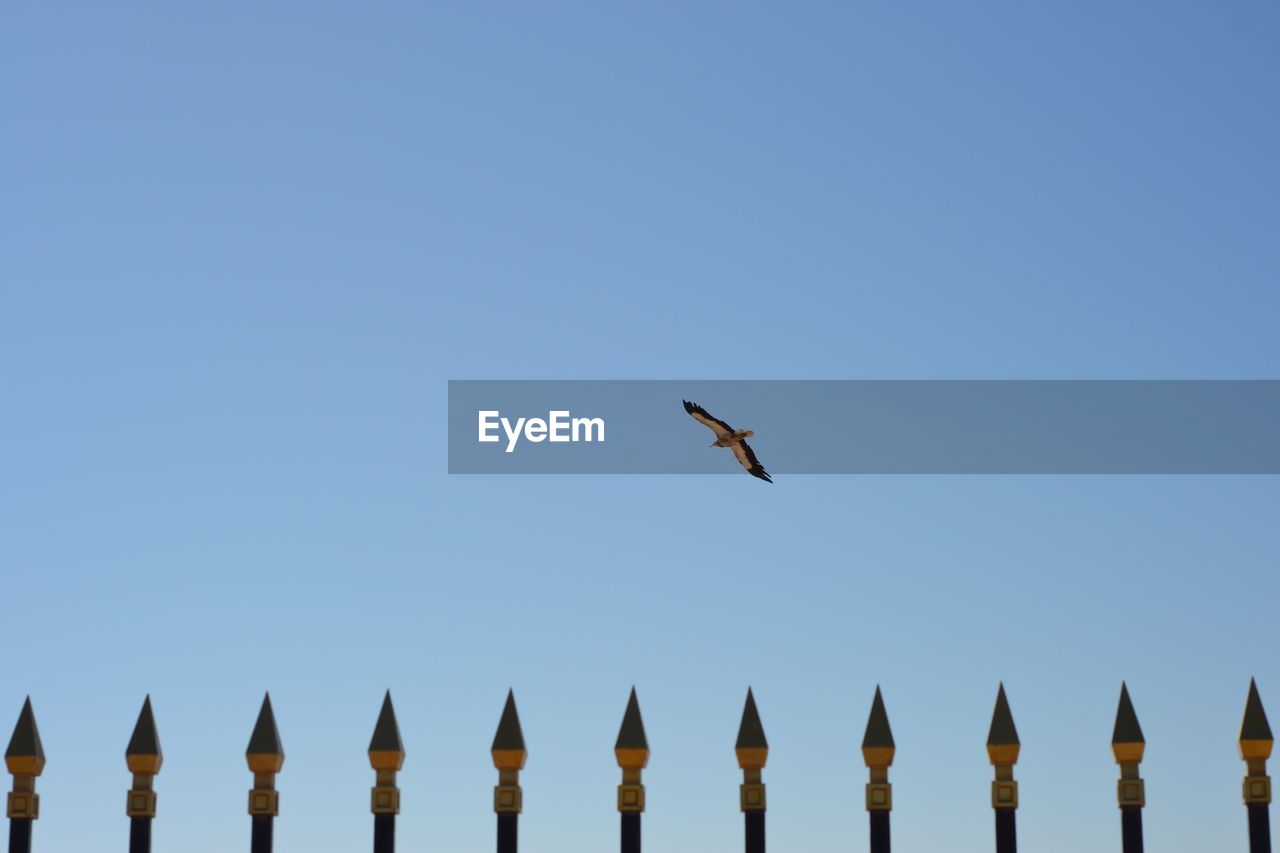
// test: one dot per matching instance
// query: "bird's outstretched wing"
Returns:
(702, 416)
(747, 457)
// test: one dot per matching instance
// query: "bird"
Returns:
(727, 436)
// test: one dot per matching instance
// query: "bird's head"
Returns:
(747, 433)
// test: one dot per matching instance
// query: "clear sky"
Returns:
(243, 246)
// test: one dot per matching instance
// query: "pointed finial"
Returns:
(266, 757)
(878, 747)
(632, 752)
(143, 753)
(1256, 742)
(386, 751)
(25, 755)
(1256, 739)
(508, 749)
(265, 753)
(143, 756)
(752, 746)
(632, 747)
(386, 756)
(878, 750)
(1127, 742)
(25, 759)
(1003, 745)
(509, 755)
(753, 751)
(1128, 746)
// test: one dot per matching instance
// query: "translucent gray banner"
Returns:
(867, 426)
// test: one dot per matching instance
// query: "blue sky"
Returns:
(244, 246)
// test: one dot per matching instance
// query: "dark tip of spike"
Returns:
(751, 731)
(25, 742)
(265, 739)
(631, 734)
(1127, 729)
(878, 733)
(509, 734)
(145, 740)
(386, 734)
(1255, 725)
(1003, 732)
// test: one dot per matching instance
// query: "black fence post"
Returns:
(509, 755)
(753, 752)
(1256, 742)
(1128, 746)
(1003, 748)
(632, 753)
(386, 756)
(877, 752)
(25, 760)
(265, 756)
(143, 757)
(753, 826)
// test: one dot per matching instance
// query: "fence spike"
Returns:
(143, 753)
(144, 758)
(26, 751)
(386, 756)
(631, 735)
(265, 756)
(509, 756)
(265, 750)
(878, 750)
(1126, 737)
(1255, 730)
(509, 738)
(632, 753)
(879, 735)
(1003, 748)
(1128, 746)
(1003, 733)
(751, 732)
(752, 749)
(25, 761)
(385, 747)
(1256, 742)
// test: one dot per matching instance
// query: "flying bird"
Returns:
(727, 436)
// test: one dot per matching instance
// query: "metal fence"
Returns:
(265, 755)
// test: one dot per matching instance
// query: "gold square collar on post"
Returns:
(24, 805)
(752, 797)
(141, 804)
(879, 797)
(264, 802)
(631, 798)
(507, 799)
(1131, 792)
(1257, 790)
(384, 800)
(1004, 795)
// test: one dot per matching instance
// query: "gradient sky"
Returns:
(244, 245)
